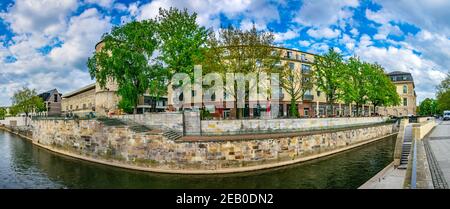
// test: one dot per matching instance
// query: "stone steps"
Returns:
(406, 147)
(172, 135)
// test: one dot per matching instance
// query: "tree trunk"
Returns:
(293, 109)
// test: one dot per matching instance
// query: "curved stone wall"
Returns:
(151, 151)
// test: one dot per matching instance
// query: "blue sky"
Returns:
(44, 44)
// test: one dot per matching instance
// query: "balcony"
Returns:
(308, 97)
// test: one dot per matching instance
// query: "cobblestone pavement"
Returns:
(437, 146)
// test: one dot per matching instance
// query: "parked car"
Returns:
(446, 115)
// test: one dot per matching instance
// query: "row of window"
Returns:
(305, 68)
(290, 55)
(401, 78)
(76, 107)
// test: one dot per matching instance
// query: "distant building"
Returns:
(52, 100)
(404, 83)
(80, 101)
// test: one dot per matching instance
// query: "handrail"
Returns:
(414, 166)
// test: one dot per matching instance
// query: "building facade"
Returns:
(404, 83)
(52, 100)
(81, 101)
(312, 104)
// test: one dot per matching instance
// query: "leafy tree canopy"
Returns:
(126, 58)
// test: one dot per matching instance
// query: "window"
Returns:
(193, 93)
(297, 57)
(77, 107)
(306, 80)
(303, 57)
(70, 106)
(289, 54)
(291, 65)
(306, 68)
(55, 98)
(405, 89)
(259, 63)
(405, 101)
(278, 64)
(226, 52)
(213, 97)
(318, 93)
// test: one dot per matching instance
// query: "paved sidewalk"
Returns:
(388, 178)
(439, 143)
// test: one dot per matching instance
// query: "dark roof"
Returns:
(47, 94)
(398, 73)
(81, 90)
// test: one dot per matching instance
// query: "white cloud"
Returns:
(83, 33)
(63, 65)
(304, 43)
(247, 24)
(354, 31)
(431, 15)
(324, 12)
(424, 72)
(319, 48)
(323, 33)
(283, 36)
(260, 12)
(102, 3)
(45, 16)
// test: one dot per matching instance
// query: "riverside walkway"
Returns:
(438, 152)
(391, 177)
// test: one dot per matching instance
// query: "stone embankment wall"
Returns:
(221, 127)
(151, 151)
(14, 121)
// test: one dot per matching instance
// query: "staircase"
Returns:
(406, 147)
(172, 135)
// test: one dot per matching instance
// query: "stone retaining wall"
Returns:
(151, 151)
(221, 127)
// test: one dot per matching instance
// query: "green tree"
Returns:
(126, 58)
(328, 75)
(444, 85)
(241, 51)
(443, 94)
(443, 101)
(182, 40)
(380, 89)
(356, 73)
(295, 83)
(26, 101)
(2, 113)
(428, 107)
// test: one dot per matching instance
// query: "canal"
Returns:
(24, 165)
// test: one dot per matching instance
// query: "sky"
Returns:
(44, 44)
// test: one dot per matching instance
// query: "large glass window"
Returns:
(405, 101)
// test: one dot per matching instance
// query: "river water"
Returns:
(24, 165)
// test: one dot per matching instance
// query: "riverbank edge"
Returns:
(202, 172)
